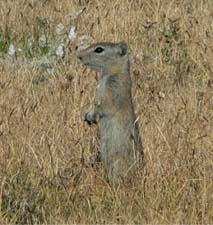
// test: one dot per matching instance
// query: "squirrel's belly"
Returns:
(115, 139)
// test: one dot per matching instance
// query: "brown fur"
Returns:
(121, 147)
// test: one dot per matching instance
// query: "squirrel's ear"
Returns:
(122, 48)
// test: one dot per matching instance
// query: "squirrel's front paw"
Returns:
(90, 117)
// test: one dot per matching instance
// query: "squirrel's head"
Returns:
(105, 57)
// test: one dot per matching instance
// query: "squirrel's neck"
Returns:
(121, 68)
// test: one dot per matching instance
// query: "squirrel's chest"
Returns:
(102, 92)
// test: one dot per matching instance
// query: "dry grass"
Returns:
(46, 151)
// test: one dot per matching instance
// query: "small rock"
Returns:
(72, 34)
(12, 52)
(60, 51)
(42, 41)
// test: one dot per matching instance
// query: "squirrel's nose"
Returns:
(80, 58)
(78, 52)
(76, 48)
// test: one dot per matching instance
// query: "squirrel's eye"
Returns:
(99, 50)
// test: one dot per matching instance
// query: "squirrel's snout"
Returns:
(80, 50)
(79, 57)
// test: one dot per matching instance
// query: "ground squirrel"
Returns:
(121, 147)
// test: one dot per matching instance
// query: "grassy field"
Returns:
(47, 170)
